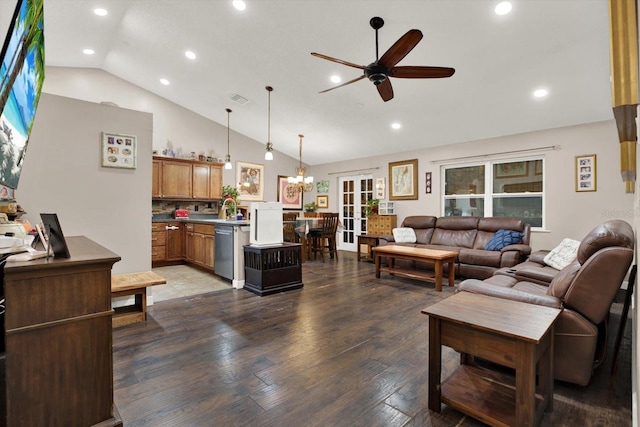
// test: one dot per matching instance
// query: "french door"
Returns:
(354, 193)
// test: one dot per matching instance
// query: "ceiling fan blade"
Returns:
(343, 84)
(410, 72)
(339, 61)
(385, 90)
(401, 48)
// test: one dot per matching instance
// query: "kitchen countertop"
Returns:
(202, 220)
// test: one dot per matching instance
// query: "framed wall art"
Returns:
(322, 186)
(287, 194)
(380, 186)
(119, 151)
(322, 202)
(403, 178)
(427, 182)
(586, 173)
(250, 178)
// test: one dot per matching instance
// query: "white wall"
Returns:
(186, 130)
(569, 214)
(62, 173)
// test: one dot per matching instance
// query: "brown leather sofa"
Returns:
(584, 290)
(469, 236)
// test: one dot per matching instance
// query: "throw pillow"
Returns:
(563, 254)
(503, 238)
(404, 235)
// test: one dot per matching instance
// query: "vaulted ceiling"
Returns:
(559, 45)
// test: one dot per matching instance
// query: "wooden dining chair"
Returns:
(289, 227)
(324, 238)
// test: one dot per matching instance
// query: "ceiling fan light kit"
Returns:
(379, 71)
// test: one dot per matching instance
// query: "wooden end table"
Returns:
(370, 242)
(510, 333)
(437, 257)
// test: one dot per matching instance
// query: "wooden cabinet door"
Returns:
(201, 181)
(158, 241)
(174, 241)
(198, 248)
(215, 182)
(156, 179)
(176, 179)
(188, 242)
(208, 251)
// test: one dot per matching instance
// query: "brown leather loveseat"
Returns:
(584, 290)
(469, 236)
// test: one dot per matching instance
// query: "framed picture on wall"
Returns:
(586, 173)
(119, 151)
(287, 194)
(322, 202)
(403, 178)
(250, 178)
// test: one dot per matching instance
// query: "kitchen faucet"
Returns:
(235, 207)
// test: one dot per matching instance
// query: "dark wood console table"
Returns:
(510, 333)
(271, 269)
(59, 357)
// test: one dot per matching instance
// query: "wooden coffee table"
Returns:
(438, 258)
(510, 333)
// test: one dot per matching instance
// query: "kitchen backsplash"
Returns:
(166, 207)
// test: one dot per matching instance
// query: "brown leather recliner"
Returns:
(584, 290)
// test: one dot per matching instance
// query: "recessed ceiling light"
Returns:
(396, 125)
(239, 4)
(503, 8)
(164, 82)
(100, 12)
(88, 51)
(335, 79)
(189, 54)
(540, 93)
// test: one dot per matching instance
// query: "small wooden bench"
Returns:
(135, 284)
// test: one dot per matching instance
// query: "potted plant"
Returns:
(371, 207)
(229, 192)
(310, 207)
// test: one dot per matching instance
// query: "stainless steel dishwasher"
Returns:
(224, 251)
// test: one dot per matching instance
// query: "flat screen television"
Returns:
(22, 74)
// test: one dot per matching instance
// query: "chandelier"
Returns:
(300, 182)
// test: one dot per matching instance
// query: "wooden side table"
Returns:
(510, 333)
(370, 242)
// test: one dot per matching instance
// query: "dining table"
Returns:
(302, 227)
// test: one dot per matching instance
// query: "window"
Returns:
(496, 188)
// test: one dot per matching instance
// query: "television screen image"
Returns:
(22, 73)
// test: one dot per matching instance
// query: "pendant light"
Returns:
(227, 160)
(269, 154)
(300, 182)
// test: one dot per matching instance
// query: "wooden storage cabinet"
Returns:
(59, 357)
(200, 242)
(186, 179)
(381, 225)
(158, 241)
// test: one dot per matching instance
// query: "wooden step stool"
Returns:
(135, 284)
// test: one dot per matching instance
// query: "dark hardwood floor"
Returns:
(345, 350)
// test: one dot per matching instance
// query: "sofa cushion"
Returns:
(503, 238)
(563, 254)
(479, 257)
(404, 235)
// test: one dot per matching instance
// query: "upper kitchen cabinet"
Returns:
(186, 179)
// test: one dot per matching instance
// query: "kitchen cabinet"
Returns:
(158, 241)
(186, 179)
(166, 242)
(175, 179)
(156, 183)
(207, 181)
(200, 241)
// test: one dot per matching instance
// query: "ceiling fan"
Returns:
(383, 68)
